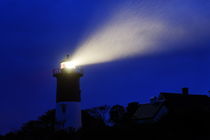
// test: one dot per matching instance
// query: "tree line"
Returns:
(115, 122)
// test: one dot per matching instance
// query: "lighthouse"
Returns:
(68, 111)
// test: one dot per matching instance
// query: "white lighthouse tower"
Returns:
(68, 111)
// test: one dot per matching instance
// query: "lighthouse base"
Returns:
(68, 116)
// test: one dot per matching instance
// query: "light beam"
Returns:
(142, 30)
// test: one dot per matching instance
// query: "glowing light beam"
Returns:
(140, 30)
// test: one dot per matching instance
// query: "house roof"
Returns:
(176, 103)
(147, 111)
(182, 103)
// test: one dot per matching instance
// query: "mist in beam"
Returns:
(141, 28)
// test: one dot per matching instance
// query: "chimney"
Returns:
(185, 91)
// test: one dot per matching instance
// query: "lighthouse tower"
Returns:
(68, 112)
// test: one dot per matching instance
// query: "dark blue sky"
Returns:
(36, 35)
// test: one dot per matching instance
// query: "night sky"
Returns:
(36, 35)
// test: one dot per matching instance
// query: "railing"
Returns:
(77, 70)
(56, 71)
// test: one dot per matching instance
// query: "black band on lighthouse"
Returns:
(68, 87)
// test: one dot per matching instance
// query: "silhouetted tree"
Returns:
(100, 112)
(44, 122)
(117, 113)
(38, 129)
(132, 107)
(48, 119)
(88, 121)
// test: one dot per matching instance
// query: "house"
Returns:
(173, 106)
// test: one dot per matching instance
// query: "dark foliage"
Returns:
(89, 121)
(99, 112)
(130, 110)
(189, 125)
(117, 113)
(132, 107)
